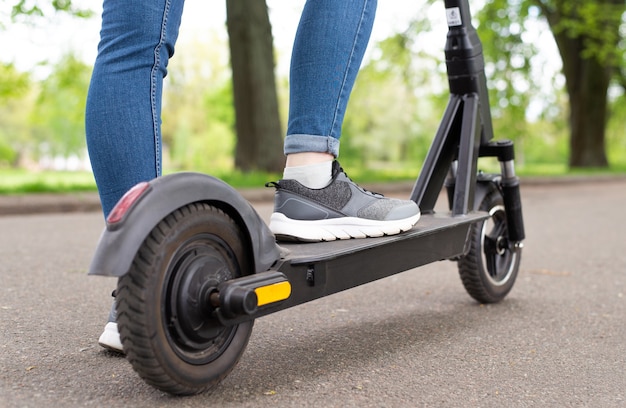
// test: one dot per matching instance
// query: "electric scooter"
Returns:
(197, 265)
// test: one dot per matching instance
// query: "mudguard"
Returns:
(485, 183)
(120, 242)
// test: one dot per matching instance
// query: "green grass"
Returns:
(22, 182)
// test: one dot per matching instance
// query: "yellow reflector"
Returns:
(273, 293)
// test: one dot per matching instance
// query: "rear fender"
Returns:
(120, 242)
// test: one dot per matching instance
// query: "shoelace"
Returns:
(276, 184)
(341, 170)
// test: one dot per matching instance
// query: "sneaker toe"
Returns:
(110, 338)
(402, 210)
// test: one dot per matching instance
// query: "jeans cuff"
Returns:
(311, 143)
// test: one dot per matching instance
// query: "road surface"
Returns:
(414, 339)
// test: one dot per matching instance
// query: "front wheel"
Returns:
(167, 324)
(490, 267)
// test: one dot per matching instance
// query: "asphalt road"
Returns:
(415, 339)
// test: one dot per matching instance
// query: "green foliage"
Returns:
(383, 120)
(508, 58)
(44, 118)
(507, 29)
(13, 84)
(8, 155)
(58, 117)
(198, 114)
(595, 22)
(16, 100)
(527, 96)
(28, 9)
(393, 113)
(394, 110)
(616, 130)
(50, 120)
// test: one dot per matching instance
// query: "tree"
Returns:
(590, 43)
(259, 134)
(511, 64)
(587, 34)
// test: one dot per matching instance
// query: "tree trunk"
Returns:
(588, 114)
(587, 82)
(259, 134)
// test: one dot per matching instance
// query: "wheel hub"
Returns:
(194, 332)
(498, 256)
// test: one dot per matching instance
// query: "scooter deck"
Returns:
(314, 252)
(315, 270)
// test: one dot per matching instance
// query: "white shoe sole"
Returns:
(337, 228)
(110, 338)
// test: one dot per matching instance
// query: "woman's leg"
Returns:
(330, 43)
(316, 201)
(123, 114)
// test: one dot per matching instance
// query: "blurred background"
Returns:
(556, 73)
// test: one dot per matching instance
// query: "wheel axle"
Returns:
(245, 296)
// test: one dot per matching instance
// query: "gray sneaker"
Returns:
(341, 210)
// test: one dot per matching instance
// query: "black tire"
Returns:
(490, 267)
(167, 326)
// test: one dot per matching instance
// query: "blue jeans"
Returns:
(123, 114)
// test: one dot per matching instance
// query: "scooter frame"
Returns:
(287, 275)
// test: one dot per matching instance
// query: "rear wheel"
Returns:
(490, 267)
(167, 324)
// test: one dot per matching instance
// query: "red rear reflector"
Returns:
(126, 202)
